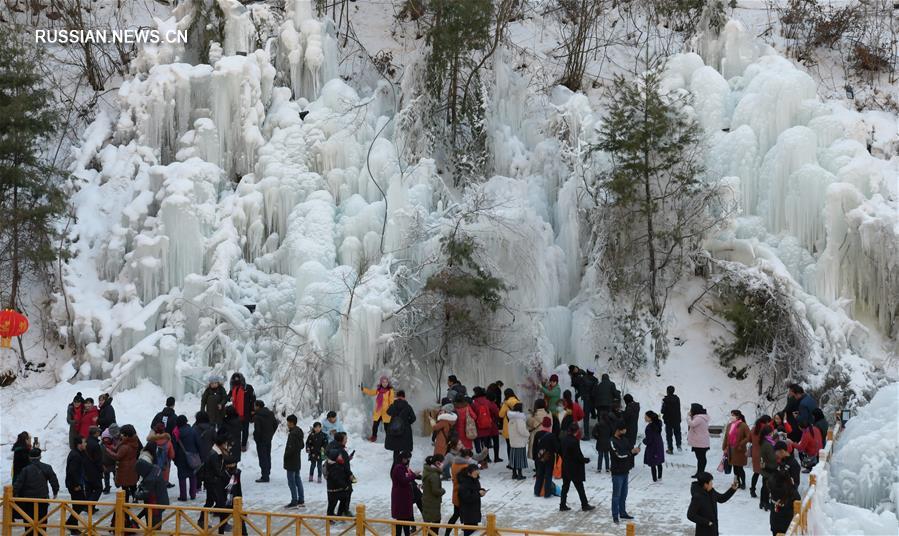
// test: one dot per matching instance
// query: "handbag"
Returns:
(557, 469)
(193, 459)
(724, 465)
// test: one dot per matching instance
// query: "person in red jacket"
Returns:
(89, 415)
(242, 397)
(486, 415)
(809, 445)
(464, 412)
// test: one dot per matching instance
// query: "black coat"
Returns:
(604, 392)
(168, 417)
(631, 419)
(34, 479)
(232, 427)
(469, 500)
(315, 444)
(213, 473)
(783, 492)
(19, 460)
(671, 409)
(206, 437)
(213, 403)
(401, 418)
(573, 460)
(188, 441)
(339, 474)
(546, 443)
(703, 509)
(587, 384)
(107, 415)
(264, 425)
(602, 433)
(621, 456)
(82, 472)
(293, 451)
(94, 453)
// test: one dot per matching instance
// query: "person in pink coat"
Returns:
(698, 435)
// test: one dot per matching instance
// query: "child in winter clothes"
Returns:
(602, 433)
(518, 439)
(332, 425)
(316, 442)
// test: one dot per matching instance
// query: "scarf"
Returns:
(379, 401)
(237, 395)
(732, 434)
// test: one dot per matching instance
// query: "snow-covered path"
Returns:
(659, 508)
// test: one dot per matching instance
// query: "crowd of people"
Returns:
(466, 431)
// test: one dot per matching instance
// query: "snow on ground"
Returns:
(659, 508)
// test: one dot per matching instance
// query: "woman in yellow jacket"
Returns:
(383, 394)
(508, 403)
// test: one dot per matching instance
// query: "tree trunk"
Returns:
(15, 258)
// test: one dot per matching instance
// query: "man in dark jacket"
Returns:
(293, 461)
(339, 476)
(623, 451)
(454, 388)
(604, 394)
(83, 480)
(243, 397)
(703, 509)
(213, 401)
(671, 416)
(214, 475)
(399, 431)
(801, 409)
(167, 416)
(264, 426)
(631, 417)
(32, 483)
(107, 412)
(588, 382)
(73, 418)
(573, 462)
(546, 448)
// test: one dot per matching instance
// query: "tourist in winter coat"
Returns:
(332, 425)
(806, 405)
(703, 509)
(384, 396)
(470, 493)
(698, 435)
(623, 452)
(243, 398)
(106, 412)
(455, 389)
(401, 494)
(89, 416)
(487, 414)
(671, 416)
(20, 450)
(654, 454)
(152, 479)
(572, 409)
(546, 448)
(787, 464)
(604, 394)
(809, 445)
(444, 428)
(755, 437)
(820, 421)
(602, 433)
(339, 476)
(83, 479)
(783, 494)
(588, 383)
(214, 475)
(293, 459)
(736, 436)
(534, 422)
(213, 400)
(399, 431)
(232, 426)
(73, 418)
(518, 439)
(33, 482)
(463, 414)
(460, 462)
(552, 393)
(109, 442)
(205, 433)
(768, 463)
(631, 417)
(264, 426)
(573, 462)
(316, 442)
(509, 401)
(187, 446)
(165, 448)
(432, 489)
(166, 416)
(125, 455)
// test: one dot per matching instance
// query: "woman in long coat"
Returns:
(432, 489)
(755, 438)
(401, 497)
(736, 436)
(444, 428)
(654, 454)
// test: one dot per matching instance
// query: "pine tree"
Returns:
(653, 193)
(30, 194)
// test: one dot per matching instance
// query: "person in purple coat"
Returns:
(402, 495)
(654, 455)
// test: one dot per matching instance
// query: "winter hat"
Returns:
(554, 378)
(114, 431)
(215, 378)
(384, 378)
(78, 398)
(34, 454)
(159, 428)
(547, 424)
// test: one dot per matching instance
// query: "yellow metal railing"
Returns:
(94, 518)
(800, 526)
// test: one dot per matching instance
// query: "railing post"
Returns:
(630, 529)
(237, 516)
(812, 480)
(360, 520)
(491, 525)
(7, 509)
(119, 514)
(797, 510)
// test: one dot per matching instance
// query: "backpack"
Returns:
(161, 458)
(471, 430)
(396, 426)
(484, 419)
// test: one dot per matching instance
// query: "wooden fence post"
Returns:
(491, 525)
(812, 480)
(360, 520)
(119, 514)
(797, 509)
(630, 529)
(7, 509)
(237, 516)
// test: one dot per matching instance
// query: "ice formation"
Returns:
(219, 230)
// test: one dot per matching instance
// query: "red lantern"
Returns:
(12, 324)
